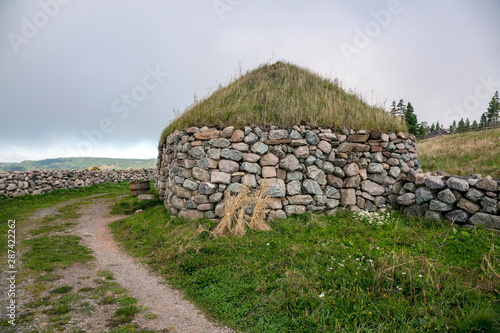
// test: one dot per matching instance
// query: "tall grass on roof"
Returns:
(285, 95)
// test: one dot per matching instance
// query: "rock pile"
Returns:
(309, 169)
(464, 200)
(18, 183)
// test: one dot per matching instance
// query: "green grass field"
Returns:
(462, 154)
(343, 273)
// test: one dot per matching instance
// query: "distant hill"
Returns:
(80, 163)
(462, 154)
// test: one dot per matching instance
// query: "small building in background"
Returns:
(439, 131)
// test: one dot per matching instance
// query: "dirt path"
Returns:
(173, 311)
(85, 297)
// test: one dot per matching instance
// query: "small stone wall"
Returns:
(18, 183)
(309, 169)
(464, 200)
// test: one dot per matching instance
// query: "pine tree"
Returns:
(493, 110)
(423, 129)
(432, 128)
(474, 126)
(437, 124)
(454, 126)
(394, 110)
(401, 109)
(467, 125)
(483, 121)
(461, 126)
(411, 119)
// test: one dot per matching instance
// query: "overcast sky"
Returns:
(102, 78)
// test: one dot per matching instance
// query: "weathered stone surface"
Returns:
(178, 203)
(290, 163)
(423, 194)
(274, 203)
(260, 148)
(334, 181)
(251, 138)
(205, 207)
(406, 199)
(277, 215)
(301, 152)
(277, 188)
(352, 182)
(489, 205)
(228, 166)
(458, 184)
(457, 216)
(295, 135)
(375, 168)
(440, 206)
(278, 134)
(298, 143)
(182, 192)
(145, 197)
(227, 132)
(191, 214)
(197, 152)
(394, 172)
(231, 154)
(488, 220)
(269, 160)
(214, 154)
(220, 177)
(251, 157)
(277, 142)
(215, 198)
(300, 199)
(190, 185)
(348, 197)
(241, 146)
(346, 147)
(328, 167)
(351, 169)
(372, 188)
(316, 174)
(295, 210)
(294, 175)
(249, 180)
(446, 196)
(468, 206)
(208, 135)
(488, 184)
(435, 182)
(200, 174)
(268, 172)
(474, 195)
(207, 188)
(206, 163)
(219, 143)
(181, 172)
(311, 187)
(250, 168)
(416, 210)
(200, 199)
(237, 136)
(360, 138)
(325, 147)
(293, 187)
(312, 138)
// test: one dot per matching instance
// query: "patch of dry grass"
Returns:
(462, 154)
(285, 95)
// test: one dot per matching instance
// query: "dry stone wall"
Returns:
(18, 183)
(466, 201)
(309, 169)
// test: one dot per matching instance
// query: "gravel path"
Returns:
(174, 312)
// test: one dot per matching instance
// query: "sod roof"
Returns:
(284, 95)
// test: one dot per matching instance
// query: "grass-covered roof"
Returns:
(284, 94)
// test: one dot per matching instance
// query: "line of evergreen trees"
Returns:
(490, 118)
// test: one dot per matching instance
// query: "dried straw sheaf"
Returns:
(233, 221)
